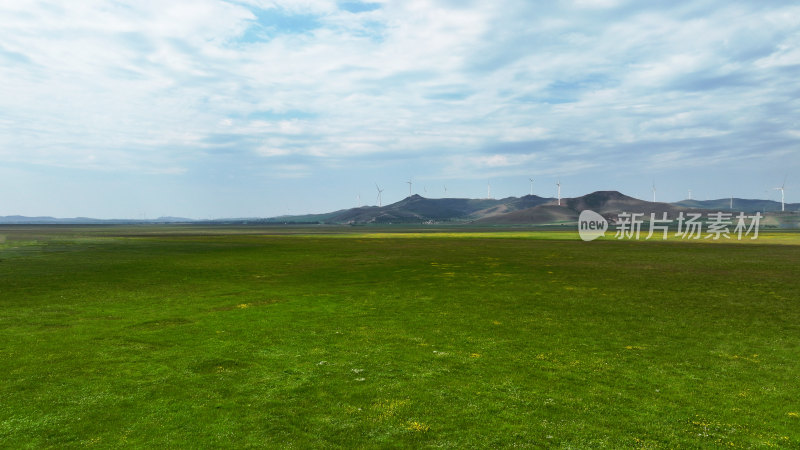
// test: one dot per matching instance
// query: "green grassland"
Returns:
(312, 337)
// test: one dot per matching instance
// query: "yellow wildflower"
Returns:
(418, 426)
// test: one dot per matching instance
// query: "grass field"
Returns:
(145, 336)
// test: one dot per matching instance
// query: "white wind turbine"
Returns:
(654, 191)
(559, 191)
(488, 190)
(783, 206)
(409, 188)
(379, 194)
(531, 185)
(690, 194)
(445, 190)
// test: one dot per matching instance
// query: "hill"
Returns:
(549, 213)
(606, 203)
(418, 209)
(47, 220)
(739, 204)
(529, 209)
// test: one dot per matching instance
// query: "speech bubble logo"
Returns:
(591, 225)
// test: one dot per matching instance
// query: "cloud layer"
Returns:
(445, 90)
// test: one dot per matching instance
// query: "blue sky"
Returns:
(245, 108)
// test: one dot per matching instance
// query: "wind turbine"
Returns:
(445, 190)
(731, 203)
(782, 198)
(409, 188)
(654, 191)
(531, 185)
(559, 191)
(379, 193)
(488, 190)
(690, 194)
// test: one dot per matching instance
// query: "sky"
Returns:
(259, 108)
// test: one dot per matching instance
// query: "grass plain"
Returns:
(194, 337)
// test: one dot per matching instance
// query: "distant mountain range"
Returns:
(418, 209)
(45, 220)
(606, 203)
(415, 209)
(529, 209)
(739, 204)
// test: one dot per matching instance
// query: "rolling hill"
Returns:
(606, 203)
(739, 204)
(529, 209)
(47, 220)
(418, 209)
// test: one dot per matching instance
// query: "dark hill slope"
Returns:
(417, 209)
(607, 203)
(739, 204)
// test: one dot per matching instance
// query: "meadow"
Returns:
(334, 337)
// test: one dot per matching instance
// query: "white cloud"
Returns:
(600, 4)
(186, 85)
